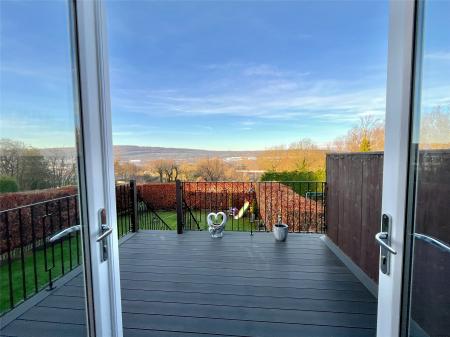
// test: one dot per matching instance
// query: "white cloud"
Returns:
(438, 55)
(262, 70)
(287, 97)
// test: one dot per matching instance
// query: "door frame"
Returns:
(95, 151)
(399, 95)
(97, 179)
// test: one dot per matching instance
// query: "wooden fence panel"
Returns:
(354, 184)
(371, 213)
(332, 200)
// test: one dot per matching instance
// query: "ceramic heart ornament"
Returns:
(215, 227)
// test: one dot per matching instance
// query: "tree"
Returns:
(171, 170)
(125, 170)
(10, 154)
(367, 135)
(435, 129)
(211, 169)
(158, 167)
(304, 154)
(365, 146)
(167, 169)
(25, 164)
(187, 171)
(62, 170)
(272, 158)
(8, 184)
(34, 172)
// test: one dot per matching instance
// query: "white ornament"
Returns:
(216, 229)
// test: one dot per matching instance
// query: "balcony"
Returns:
(321, 282)
(240, 285)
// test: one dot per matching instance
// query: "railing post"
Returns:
(179, 199)
(134, 207)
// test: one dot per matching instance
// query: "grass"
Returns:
(123, 225)
(32, 284)
(243, 224)
(35, 284)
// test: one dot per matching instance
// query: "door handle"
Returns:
(382, 239)
(105, 232)
(435, 242)
(64, 232)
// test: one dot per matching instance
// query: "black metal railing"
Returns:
(255, 206)
(134, 212)
(125, 208)
(190, 222)
(29, 262)
(149, 219)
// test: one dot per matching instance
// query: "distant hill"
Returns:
(127, 153)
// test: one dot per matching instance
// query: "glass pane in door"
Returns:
(40, 273)
(427, 299)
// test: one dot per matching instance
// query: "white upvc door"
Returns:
(101, 258)
(413, 294)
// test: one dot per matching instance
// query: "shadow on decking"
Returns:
(241, 285)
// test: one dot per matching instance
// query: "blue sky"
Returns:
(210, 74)
(241, 75)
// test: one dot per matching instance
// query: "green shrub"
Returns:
(300, 181)
(8, 184)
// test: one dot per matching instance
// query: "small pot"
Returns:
(280, 232)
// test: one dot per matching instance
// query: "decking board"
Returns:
(241, 285)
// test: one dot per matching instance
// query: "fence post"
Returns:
(134, 206)
(179, 194)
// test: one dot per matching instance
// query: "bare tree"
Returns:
(125, 170)
(167, 170)
(158, 166)
(211, 169)
(272, 158)
(435, 129)
(171, 170)
(367, 136)
(10, 156)
(302, 154)
(62, 170)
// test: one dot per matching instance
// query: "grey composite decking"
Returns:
(240, 285)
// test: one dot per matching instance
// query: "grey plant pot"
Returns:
(280, 232)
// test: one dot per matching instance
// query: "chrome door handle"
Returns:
(106, 231)
(435, 242)
(64, 232)
(381, 238)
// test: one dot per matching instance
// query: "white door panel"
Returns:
(398, 98)
(98, 165)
